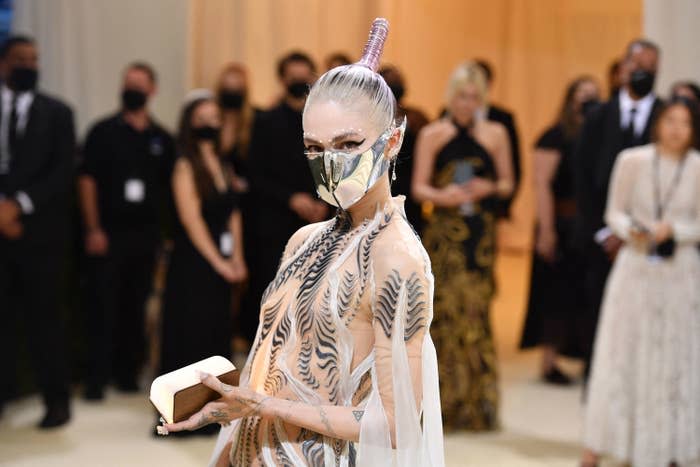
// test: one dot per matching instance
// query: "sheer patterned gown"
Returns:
(345, 322)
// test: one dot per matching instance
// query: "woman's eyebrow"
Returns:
(344, 135)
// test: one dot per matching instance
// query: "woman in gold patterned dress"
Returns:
(462, 166)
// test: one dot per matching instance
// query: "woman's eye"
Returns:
(349, 145)
(314, 148)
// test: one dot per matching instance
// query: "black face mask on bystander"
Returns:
(206, 133)
(133, 99)
(23, 79)
(642, 82)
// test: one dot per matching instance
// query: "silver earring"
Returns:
(393, 172)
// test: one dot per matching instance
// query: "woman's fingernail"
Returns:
(162, 431)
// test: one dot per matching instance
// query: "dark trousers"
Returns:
(29, 307)
(596, 276)
(118, 286)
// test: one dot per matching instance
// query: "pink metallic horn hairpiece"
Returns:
(375, 44)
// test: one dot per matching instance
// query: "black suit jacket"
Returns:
(600, 142)
(42, 166)
(278, 169)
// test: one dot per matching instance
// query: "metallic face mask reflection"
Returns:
(342, 178)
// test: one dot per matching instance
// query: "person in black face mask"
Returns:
(124, 194)
(622, 122)
(237, 120)
(416, 120)
(279, 180)
(37, 152)
(208, 250)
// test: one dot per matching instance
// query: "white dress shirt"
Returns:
(642, 108)
(24, 103)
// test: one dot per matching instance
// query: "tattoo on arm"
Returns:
(327, 423)
(358, 414)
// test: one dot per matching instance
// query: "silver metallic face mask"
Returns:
(343, 178)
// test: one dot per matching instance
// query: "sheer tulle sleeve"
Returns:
(617, 215)
(402, 422)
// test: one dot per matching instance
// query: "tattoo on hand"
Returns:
(226, 387)
(358, 414)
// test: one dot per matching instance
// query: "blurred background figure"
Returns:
(208, 254)
(337, 59)
(238, 117)
(280, 179)
(686, 90)
(556, 292)
(37, 154)
(124, 188)
(463, 167)
(416, 120)
(622, 122)
(496, 113)
(614, 78)
(237, 120)
(642, 399)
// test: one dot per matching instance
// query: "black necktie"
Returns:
(12, 131)
(629, 135)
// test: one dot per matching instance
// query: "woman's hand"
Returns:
(240, 270)
(96, 242)
(662, 232)
(481, 188)
(225, 269)
(546, 244)
(235, 403)
(454, 195)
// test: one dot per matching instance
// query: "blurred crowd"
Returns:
(199, 220)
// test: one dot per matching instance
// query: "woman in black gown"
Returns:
(207, 256)
(555, 291)
(462, 167)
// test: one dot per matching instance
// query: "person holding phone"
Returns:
(463, 168)
(643, 403)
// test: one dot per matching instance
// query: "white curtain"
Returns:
(84, 46)
(675, 26)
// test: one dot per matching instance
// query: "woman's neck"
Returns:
(671, 153)
(374, 199)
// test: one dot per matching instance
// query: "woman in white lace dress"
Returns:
(643, 402)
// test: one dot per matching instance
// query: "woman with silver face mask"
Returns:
(343, 370)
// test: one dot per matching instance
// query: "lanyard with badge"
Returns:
(665, 249)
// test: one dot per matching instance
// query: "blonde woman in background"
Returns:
(463, 166)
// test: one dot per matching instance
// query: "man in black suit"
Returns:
(498, 114)
(281, 183)
(622, 122)
(37, 149)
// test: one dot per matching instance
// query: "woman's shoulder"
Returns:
(399, 247)
(492, 128)
(636, 154)
(440, 128)
(302, 235)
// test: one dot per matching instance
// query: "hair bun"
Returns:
(375, 44)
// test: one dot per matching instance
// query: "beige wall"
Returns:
(537, 46)
(85, 44)
(675, 26)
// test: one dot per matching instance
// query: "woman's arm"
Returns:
(237, 402)
(621, 183)
(235, 226)
(429, 141)
(546, 162)
(503, 162)
(188, 206)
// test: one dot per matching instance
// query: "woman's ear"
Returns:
(395, 140)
